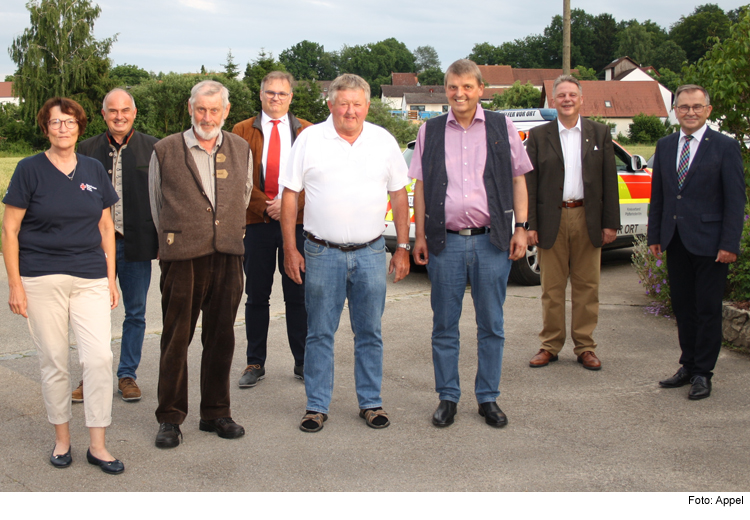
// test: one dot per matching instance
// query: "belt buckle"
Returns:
(464, 232)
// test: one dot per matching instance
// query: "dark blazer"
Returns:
(141, 242)
(708, 209)
(601, 199)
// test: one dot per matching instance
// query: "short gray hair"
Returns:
(464, 68)
(567, 78)
(209, 88)
(348, 82)
(691, 88)
(118, 89)
(277, 75)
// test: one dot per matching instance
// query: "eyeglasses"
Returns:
(54, 124)
(270, 94)
(697, 109)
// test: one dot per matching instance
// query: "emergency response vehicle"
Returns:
(634, 186)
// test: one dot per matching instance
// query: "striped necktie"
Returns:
(682, 169)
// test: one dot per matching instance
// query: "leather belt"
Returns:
(572, 203)
(469, 231)
(342, 247)
(118, 235)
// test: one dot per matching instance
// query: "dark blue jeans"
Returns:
(135, 278)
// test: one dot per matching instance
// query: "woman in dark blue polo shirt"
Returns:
(59, 251)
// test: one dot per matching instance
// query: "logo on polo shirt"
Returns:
(87, 187)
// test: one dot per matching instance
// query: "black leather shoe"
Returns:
(681, 378)
(701, 388)
(169, 435)
(224, 427)
(444, 414)
(112, 467)
(492, 414)
(60, 461)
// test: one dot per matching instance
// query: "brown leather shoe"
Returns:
(77, 395)
(590, 361)
(542, 358)
(129, 389)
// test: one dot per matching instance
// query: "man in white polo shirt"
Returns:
(347, 167)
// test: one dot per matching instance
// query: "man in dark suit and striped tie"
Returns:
(697, 208)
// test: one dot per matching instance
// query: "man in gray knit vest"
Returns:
(200, 183)
(470, 166)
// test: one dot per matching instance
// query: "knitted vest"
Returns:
(498, 181)
(189, 227)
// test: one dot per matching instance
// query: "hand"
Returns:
(608, 236)
(294, 265)
(400, 264)
(114, 294)
(655, 250)
(532, 237)
(274, 208)
(420, 254)
(725, 257)
(518, 244)
(17, 300)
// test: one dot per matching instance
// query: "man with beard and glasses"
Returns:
(200, 183)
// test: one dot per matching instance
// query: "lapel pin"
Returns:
(596, 148)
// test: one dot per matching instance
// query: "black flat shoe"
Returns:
(112, 467)
(492, 414)
(444, 414)
(60, 461)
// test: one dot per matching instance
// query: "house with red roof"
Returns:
(6, 93)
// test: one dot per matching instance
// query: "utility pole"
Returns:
(566, 37)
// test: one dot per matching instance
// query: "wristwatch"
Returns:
(524, 225)
(405, 246)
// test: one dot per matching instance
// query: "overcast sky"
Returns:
(182, 35)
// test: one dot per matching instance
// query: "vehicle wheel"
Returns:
(526, 270)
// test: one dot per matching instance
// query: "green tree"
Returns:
(401, 129)
(308, 103)
(231, 69)
(128, 75)
(256, 71)
(635, 42)
(485, 54)
(604, 41)
(431, 76)
(724, 73)
(668, 78)
(308, 60)
(59, 56)
(585, 74)
(375, 61)
(517, 96)
(426, 57)
(692, 32)
(646, 129)
(668, 55)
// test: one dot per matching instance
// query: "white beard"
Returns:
(206, 135)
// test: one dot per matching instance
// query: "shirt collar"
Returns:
(478, 116)
(329, 130)
(265, 118)
(117, 145)
(191, 141)
(561, 127)
(698, 134)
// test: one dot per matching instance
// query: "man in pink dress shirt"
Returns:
(469, 165)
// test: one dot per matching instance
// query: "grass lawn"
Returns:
(644, 150)
(7, 167)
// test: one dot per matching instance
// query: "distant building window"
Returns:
(608, 104)
(419, 108)
(445, 108)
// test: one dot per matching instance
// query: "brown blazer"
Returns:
(251, 131)
(545, 182)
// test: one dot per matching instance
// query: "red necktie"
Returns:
(272, 162)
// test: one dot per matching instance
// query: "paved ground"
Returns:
(570, 429)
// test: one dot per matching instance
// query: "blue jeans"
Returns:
(476, 260)
(331, 277)
(135, 278)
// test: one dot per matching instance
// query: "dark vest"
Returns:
(141, 242)
(189, 227)
(498, 182)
